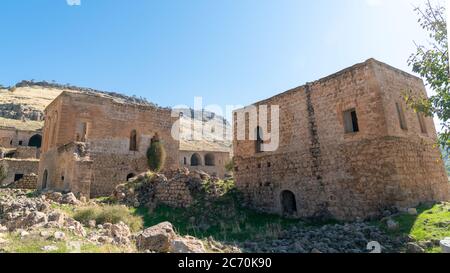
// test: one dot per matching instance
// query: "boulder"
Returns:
(56, 218)
(59, 236)
(69, 199)
(157, 238)
(187, 245)
(412, 211)
(392, 225)
(49, 248)
(3, 229)
(414, 248)
(445, 245)
(33, 219)
(120, 233)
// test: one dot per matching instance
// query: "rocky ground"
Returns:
(55, 222)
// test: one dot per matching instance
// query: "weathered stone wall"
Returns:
(220, 160)
(11, 137)
(174, 194)
(67, 168)
(28, 182)
(18, 167)
(344, 175)
(106, 126)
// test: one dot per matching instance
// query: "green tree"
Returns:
(431, 63)
(156, 155)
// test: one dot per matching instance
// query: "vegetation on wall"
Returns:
(156, 155)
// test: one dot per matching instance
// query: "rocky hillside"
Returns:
(26, 101)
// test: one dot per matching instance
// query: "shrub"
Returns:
(109, 214)
(156, 155)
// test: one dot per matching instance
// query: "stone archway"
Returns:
(210, 160)
(44, 180)
(288, 203)
(196, 160)
(35, 141)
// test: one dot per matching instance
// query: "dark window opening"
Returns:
(196, 160)
(133, 141)
(269, 164)
(185, 161)
(259, 140)
(351, 121)
(35, 141)
(44, 180)
(288, 203)
(401, 116)
(62, 178)
(423, 127)
(20, 143)
(18, 176)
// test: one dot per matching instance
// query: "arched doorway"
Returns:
(44, 180)
(209, 160)
(288, 203)
(35, 141)
(196, 160)
(129, 176)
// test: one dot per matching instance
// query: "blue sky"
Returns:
(228, 52)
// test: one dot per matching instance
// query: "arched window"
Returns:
(259, 139)
(133, 141)
(288, 203)
(196, 160)
(35, 141)
(209, 160)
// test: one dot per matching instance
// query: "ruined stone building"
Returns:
(349, 147)
(20, 145)
(211, 160)
(93, 142)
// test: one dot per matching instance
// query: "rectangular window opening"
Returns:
(351, 121)
(401, 116)
(423, 126)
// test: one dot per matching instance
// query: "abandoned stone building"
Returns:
(211, 160)
(19, 152)
(349, 147)
(93, 142)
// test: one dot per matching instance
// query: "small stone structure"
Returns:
(18, 169)
(349, 147)
(28, 182)
(93, 142)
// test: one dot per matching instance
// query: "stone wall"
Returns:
(28, 182)
(174, 194)
(338, 174)
(11, 137)
(17, 168)
(220, 159)
(106, 126)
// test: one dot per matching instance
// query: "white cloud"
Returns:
(73, 2)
